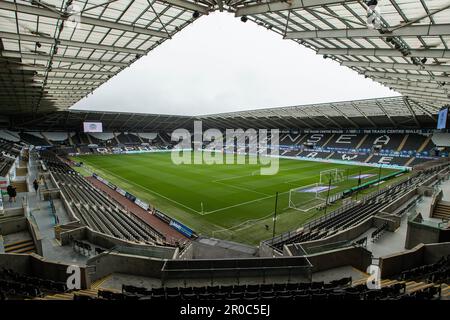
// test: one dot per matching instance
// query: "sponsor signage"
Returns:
(181, 228)
(142, 204)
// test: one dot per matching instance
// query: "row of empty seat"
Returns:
(96, 210)
(316, 291)
(333, 223)
(14, 286)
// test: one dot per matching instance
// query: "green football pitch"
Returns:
(229, 201)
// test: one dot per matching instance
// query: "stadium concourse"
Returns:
(365, 183)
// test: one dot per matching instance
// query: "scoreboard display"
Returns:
(93, 127)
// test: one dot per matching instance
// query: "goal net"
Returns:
(333, 175)
(308, 197)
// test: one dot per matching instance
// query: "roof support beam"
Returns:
(400, 66)
(413, 31)
(412, 88)
(37, 11)
(406, 76)
(273, 6)
(412, 111)
(424, 53)
(78, 44)
(187, 5)
(426, 94)
(42, 68)
(411, 83)
(45, 57)
(417, 96)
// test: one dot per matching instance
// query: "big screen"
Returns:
(442, 119)
(93, 127)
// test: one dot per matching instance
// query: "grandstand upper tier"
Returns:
(46, 66)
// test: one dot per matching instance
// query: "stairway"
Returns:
(410, 161)
(69, 295)
(21, 186)
(424, 144)
(23, 246)
(362, 141)
(140, 139)
(402, 144)
(115, 138)
(328, 141)
(70, 139)
(92, 292)
(369, 158)
(46, 139)
(89, 138)
(441, 211)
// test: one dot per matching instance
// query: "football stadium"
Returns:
(332, 201)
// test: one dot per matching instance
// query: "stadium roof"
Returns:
(48, 61)
(396, 112)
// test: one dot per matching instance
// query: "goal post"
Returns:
(332, 175)
(307, 197)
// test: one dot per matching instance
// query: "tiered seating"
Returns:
(9, 148)
(414, 142)
(95, 209)
(438, 272)
(99, 212)
(18, 286)
(333, 223)
(33, 139)
(291, 139)
(342, 289)
(376, 235)
(441, 211)
(394, 141)
(5, 165)
(316, 139)
(123, 138)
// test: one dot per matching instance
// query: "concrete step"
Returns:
(18, 245)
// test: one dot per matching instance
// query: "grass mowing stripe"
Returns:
(235, 202)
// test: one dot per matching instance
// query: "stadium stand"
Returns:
(346, 217)
(127, 249)
(94, 209)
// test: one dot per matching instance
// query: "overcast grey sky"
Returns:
(220, 64)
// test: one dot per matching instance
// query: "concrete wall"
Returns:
(34, 265)
(395, 263)
(108, 263)
(219, 249)
(263, 269)
(17, 262)
(420, 233)
(357, 257)
(107, 242)
(435, 251)
(392, 221)
(13, 225)
(422, 254)
(55, 271)
(348, 234)
(267, 251)
(396, 205)
(36, 235)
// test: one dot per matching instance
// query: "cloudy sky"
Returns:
(220, 64)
